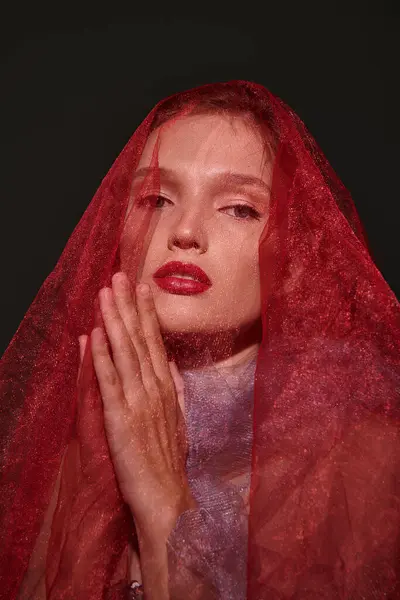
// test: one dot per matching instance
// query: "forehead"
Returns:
(208, 143)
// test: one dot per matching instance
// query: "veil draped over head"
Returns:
(323, 509)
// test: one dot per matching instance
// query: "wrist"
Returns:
(154, 566)
(156, 528)
(154, 533)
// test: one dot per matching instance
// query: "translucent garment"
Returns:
(321, 510)
(208, 547)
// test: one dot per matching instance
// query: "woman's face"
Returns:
(210, 207)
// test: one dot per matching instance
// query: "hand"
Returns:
(143, 420)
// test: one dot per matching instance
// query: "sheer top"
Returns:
(207, 550)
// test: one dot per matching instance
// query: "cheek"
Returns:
(138, 242)
(154, 254)
(239, 278)
(239, 259)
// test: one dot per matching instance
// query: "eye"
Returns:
(243, 212)
(154, 201)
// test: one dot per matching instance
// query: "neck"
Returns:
(227, 350)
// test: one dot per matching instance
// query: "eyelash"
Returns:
(252, 212)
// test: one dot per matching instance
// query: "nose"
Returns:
(188, 232)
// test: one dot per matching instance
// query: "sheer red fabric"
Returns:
(325, 492)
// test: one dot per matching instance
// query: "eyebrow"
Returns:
(227, 178)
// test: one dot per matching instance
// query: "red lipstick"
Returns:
(185, 279)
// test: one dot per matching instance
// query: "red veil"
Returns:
(325, 490)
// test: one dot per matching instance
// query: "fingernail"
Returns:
(143, 289)
(105, 293)
(98, 335)
(120, 277)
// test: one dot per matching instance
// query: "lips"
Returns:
(182, 278)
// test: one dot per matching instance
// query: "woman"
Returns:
(238, 327)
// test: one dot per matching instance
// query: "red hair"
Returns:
(226, 100)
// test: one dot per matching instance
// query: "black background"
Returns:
(75, 86)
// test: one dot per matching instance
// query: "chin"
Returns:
(197, 315)
(179, 325)
(180, 313)
(189, 322)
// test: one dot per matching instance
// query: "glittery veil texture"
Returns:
(211, 540)
(322, 514)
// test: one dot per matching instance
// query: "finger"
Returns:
(89, 421)
(106, 373)
(152, 333)
(124, 356)
(125, 302)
